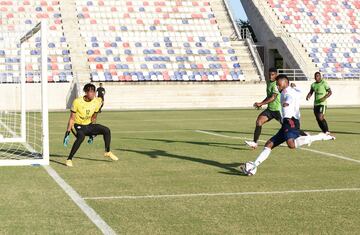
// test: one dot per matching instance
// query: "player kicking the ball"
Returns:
(82, 123)
(289, 132)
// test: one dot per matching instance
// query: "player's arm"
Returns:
(70, 125)
(266, 100)
(93, 118)
(71, 121)
(288, 99)
(310, 93)
(328, 94)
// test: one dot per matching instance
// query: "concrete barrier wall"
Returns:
(228, 95)
(175, 95)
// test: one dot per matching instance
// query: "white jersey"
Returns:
(291, 97)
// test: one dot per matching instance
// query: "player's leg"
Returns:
(292, 131)
(272, 143)
(302, 132)
(275, 141)
(260, 121)
(102, 104)
(319, 112)
(307, 140)
(97, 129)
(80, 136)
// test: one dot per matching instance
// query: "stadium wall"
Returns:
(207, 95)
(178, 95)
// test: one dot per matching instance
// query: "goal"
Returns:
(24, 130)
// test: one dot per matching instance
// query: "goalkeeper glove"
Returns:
(66, 138)
(91, 139)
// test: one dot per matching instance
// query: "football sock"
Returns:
(302, 140)
(79, 139)
(107, 138)
(263, 156)
(257, 133)
(325, 126)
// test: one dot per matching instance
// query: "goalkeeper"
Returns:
(82, 123)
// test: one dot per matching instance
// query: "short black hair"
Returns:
(89, 87)
(282, 76)
(317, 74)
(272, 70)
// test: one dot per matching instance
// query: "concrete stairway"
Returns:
(76, 42)
(246, 60)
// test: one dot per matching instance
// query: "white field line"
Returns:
(80, 202)
(331, 155)
(88, 211)
(305, 149)
(222, 194)
(221, 135)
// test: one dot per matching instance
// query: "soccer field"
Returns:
(177, 174)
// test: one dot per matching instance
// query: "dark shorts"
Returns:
(271, 115)
(101, 97)
(320, 109)
(88, 130)
(289, 130)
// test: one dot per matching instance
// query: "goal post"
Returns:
(24, 121)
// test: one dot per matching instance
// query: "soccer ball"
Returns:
(249, 168)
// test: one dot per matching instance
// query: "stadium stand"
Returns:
(155, 41)
(328, 31)
(124, 41)
(16, 18)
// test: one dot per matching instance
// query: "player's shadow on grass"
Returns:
(210, 144)
(52, 156)
(155, 153)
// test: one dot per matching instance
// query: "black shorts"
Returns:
(88, 130)
(320, 109)
(289, 130)
(271, 114)
(101, 97)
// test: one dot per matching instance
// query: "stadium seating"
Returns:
(155, 41)
(16, 18)
(328, 30)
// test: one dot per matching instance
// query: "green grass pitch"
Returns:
(162, 154)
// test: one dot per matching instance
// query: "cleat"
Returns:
(251, 144)
(90, 140)
(327, 136)
(69, 163)
(111, 155)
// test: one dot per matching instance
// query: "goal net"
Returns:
(23, 106)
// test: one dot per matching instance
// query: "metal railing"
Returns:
(247, 36)
(294, 74)
(250, 43)
(274, 25)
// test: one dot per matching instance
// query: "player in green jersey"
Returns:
(273, 110)
(322, 92)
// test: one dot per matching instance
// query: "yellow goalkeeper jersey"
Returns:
(84, 110)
